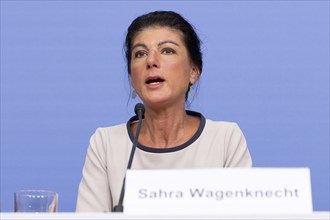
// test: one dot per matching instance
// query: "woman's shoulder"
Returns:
(222, 126)
(214, 125)
(108, 137)
(226, 124)
(111, 130)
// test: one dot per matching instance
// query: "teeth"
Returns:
(154, 83)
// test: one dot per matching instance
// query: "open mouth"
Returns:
(154, 80)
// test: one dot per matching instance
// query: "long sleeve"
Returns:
(94, 194)
(237, 153)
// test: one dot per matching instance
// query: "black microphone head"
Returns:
(139, 107)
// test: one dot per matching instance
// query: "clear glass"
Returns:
(36, 201)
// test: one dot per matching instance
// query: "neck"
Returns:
(164, 129)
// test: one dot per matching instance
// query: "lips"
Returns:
(154, 80)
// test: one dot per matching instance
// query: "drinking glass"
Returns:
(36, 201)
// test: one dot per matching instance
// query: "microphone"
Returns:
(139, 111)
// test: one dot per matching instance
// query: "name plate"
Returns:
(218, 191)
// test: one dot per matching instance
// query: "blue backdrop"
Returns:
(63, 75)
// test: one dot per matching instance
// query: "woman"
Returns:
(164, 60)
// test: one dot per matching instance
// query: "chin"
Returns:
(156, 102)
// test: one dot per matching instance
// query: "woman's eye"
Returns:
(139, 54)
(168, 51)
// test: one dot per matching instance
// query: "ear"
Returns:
(194, 75)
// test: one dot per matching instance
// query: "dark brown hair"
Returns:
(166, 19)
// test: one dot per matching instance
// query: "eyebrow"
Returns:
(159, 44)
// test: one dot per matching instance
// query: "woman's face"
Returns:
(160, 67)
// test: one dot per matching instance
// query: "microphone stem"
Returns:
(135, 141)
(120, 207)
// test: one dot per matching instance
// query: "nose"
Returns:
(152, 60)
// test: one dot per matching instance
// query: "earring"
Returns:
(133, 94)
(191, 90)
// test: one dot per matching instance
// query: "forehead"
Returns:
(157, 33)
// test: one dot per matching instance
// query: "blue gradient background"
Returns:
(63, 74)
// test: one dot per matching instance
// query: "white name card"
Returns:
(218, 191)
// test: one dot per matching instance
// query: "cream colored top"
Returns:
(215, 144)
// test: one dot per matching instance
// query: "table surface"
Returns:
(96, 216)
